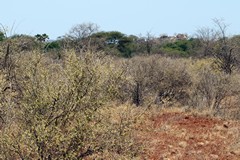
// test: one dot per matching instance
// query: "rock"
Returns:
(214, 156)
(170, 146)
(183, 144)
(200, 143)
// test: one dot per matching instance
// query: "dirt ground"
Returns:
(185, 136)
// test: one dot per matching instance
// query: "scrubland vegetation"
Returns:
(85, 95)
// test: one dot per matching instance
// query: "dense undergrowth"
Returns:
(51, 110)
(88, 105)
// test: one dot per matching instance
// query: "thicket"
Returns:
(54, 109)
(79, 98)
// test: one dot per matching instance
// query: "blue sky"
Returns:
(56, 17)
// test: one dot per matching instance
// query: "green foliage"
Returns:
(125, 47)
(116, 42)
(52, 46)
(182, 48)
(42, 37)
(54, 49)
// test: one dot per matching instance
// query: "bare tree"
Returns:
(83, 30)
(225, 53)
(216, 43)
(149, 42)
(79, 36)
(207, 38)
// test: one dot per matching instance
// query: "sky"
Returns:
(136, 17)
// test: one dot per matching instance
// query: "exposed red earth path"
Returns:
(177, 135)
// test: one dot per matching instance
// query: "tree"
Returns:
(145, 43)
(52, 46)
(216, 43)
(114, 37)
(182, 48)
(79, 36)
(125, 46)
(207, 38)
(84, 30)
(225, 54)
(114, 42)
(42, 37)
(149, 42)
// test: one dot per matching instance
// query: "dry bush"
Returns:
(180, 82)
(159, 80)
(211, 88)
(54, 112)
(4, 101)
(118, 132)
(19, 44)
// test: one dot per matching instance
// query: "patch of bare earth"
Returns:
(177, 135)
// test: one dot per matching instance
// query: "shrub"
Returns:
(55, 110)
(212, 88)
(165, 79)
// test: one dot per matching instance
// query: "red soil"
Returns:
(190, 137)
